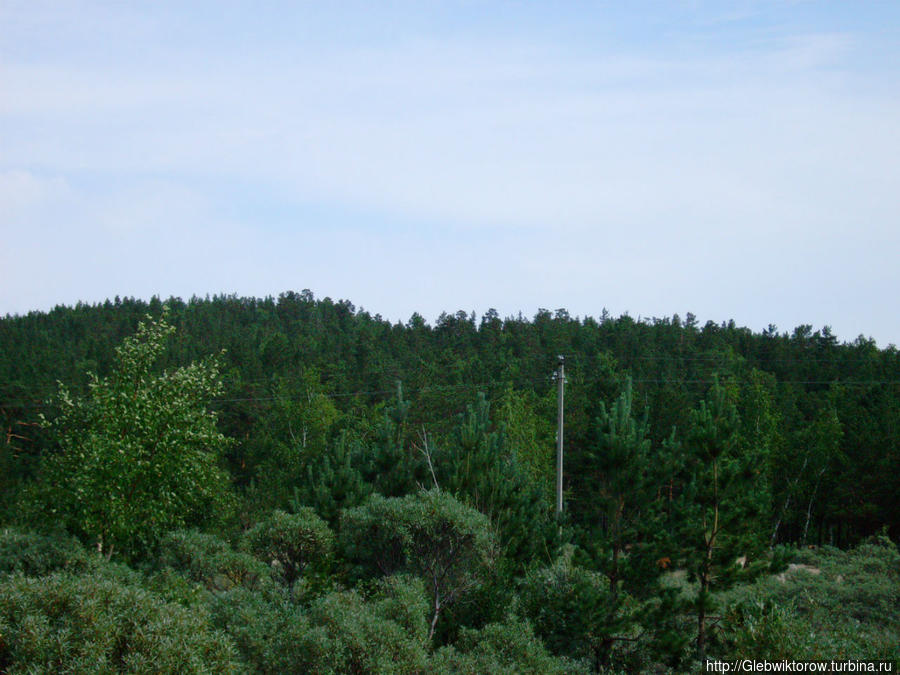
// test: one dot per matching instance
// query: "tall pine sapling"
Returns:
(623, 489)
(718, 499)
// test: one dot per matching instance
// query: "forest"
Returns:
(292, 484)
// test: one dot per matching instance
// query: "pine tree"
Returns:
(623, 479)
(720, 496)
(390, 469)
(479, 467)
(333, 481)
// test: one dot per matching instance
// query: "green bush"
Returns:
(764, 630)
(508, 648)
(571, 609)
(35, 555)
(290, 542)
(78, 624)
(206, 559)
(341, 632)
(781, 557)
(430, 535)
(359, 636)
(828, 604)
(402, 599)
(175, 587)
(258, 626)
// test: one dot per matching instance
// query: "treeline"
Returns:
(315, 489)
(830, 411)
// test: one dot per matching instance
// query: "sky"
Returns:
(737, 160)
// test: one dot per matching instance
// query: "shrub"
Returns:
(341, 632)
(430, 535)
(829, 604)
(359, 636)
(257, 625)
(572, 610)
(78, 624)
(35, 555)
(507, 648)
(290, 542)
(208, 560)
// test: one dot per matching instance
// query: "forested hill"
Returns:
(821, 417)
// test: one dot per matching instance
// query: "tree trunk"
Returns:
(434, 619)
(810, 505)
(701, 620)
(784, 508)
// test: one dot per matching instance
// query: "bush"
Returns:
(35, 555)
(508, 648)
(258, 626)
(829, 604)
(208, 560)
(402, 599)
(430, 535)
(290, 542)
(67, 623)
(763, 630)
(571, 609)
(360, 636)
(341, 632)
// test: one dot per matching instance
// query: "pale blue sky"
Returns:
(734, 159)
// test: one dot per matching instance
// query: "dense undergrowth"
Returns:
(201, 605)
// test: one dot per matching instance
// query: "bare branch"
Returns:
(425, 450)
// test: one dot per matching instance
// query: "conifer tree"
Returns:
(623, 487)
(390, 469)
(479, 467)
(718, 498)
(333, 481)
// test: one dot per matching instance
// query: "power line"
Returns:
(488, 385)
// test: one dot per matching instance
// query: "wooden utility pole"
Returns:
(560, 388)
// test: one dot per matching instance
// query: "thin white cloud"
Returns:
(720, 171)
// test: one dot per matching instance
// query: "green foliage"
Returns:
(340, 632)
(206, 559)
(35, 555)
(571, 608)
(828, 604)
(720, 496)
(137, 456)
(291, 439)
(79, 624)
(530, 437)
(290, 542)
(781, 557)
(388, 466)
(173, 586)
(622, 475)
(479, 467)
(359, 637)
(332, 481)
(261, 628)
(402, 599)
(429, 534)
(508, 648)
(664, 490)
(669, 630)
(764, 630)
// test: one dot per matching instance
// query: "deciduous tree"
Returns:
(137, 456)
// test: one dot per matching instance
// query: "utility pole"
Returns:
(560, 389)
